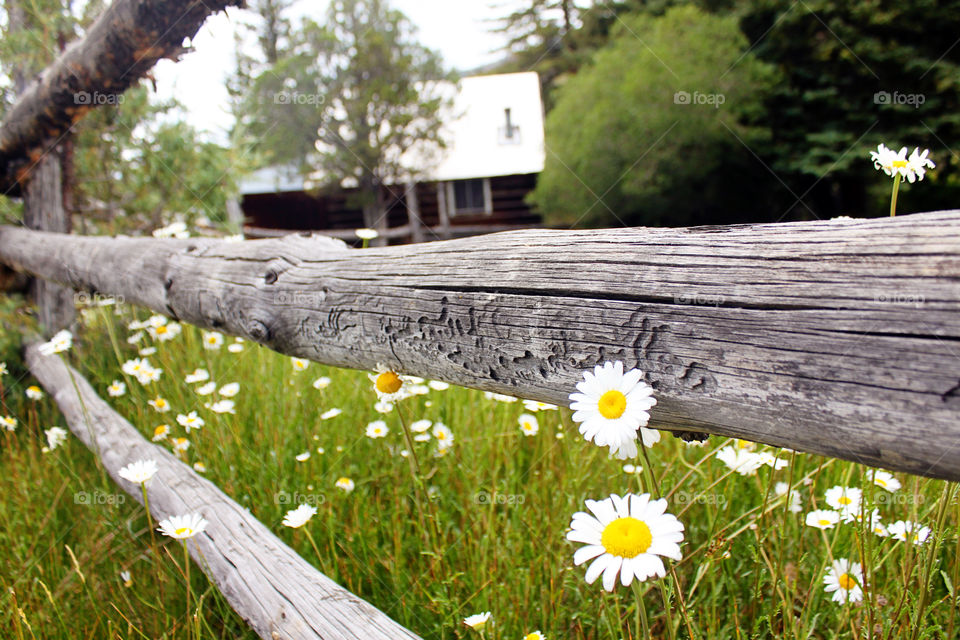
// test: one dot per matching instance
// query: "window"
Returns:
(469, 197)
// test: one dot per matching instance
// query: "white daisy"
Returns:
(387, 383)
(199, 467)
(331, 413)
(781, 489)
(528, 424)
(345, 484)
(366, 234)
(183, 527)
(160, 432)
(207, 389)
(822, 519)
(321, 383)
(438, 385)
(421, 426)
(611, 406)
(165, 332)
(222, 406)
(229, 390)
(743, 461)
(300, 516)
(8, 422)
(383, 407)
(34, 392)
(844, 580)
(844, 499)
(198, 375)
(905, 530)
(377, 429)
(771, 460)
(302, 457)
(534, 406)
(917, 164)
(117, 388)
(536, 635)
(59, 343)
(235, 347)
(444, 436)
(55, 437)
(885, 480)
(159, 404)
(139, 472)
(626, 535)
(212, 340)
(890, 161)
(299, 364)
(190, 421)
(477, 621)
(500, 397)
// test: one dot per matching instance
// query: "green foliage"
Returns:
(347, 97)
(652, 132)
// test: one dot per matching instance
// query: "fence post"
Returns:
(43, 210)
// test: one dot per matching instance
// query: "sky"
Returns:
(458, 29)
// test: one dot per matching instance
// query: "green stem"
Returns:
(186, 559)
(893, 196)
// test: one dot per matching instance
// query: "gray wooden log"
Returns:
(278, 593)
(118, 49)
(840, 338)
(43, 209)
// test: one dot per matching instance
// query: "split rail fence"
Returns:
(839, 338)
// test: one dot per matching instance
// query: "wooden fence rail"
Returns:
(278, 593)
(838, 338)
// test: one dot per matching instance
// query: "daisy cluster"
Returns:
(896, 163)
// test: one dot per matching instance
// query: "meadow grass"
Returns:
(479, 528)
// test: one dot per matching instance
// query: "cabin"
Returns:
(477, 184)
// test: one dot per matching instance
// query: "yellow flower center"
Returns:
(161, 430)
(846, 582)
(881, 482)
(161, 329)
(824, 522)
(612, 404)
(844, 500)
(899, 163)
(183, 531)
(388, 382)
(626, 537)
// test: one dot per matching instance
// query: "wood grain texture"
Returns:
(277, 592)
(118, 49)
(840, 338)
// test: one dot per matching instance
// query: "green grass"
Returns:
(481, 528)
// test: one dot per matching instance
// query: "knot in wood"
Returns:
(258, 330)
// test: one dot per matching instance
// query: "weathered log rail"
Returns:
(117, 50)
(278, 593)
(838, 338)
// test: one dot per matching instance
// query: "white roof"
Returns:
(478, 143)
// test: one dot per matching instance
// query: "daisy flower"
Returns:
(843, 579)
(8, 422)
(139, 472)
(771, 460)
(444, 436)
(383, 407)
(147, 351)
(299, 364)
(917, 164)
(321, 383)
(844, 499)
(331, 413)
(190, 421)
(3, 369)
(536, 635)
(822, 519)
(743, 461)
(183, 527)
(55, 437)
(612, 406)
(885, 480)
(632, 468)
(59, 343)
(421, 426)
(535, 406)
(477, 621)
(222, 406)
(890, 161)
(165, 332)
(344, 483)
(300, 516)
(117, 388)
(148, 374)
(499, 397)
(528, 424)
(781, 489)
(160, 432)
(134, 338)
(625, 535)
(180, 445)
(199, 467)
(377, 429)
(34, 392)
(905, 530)
(159, 404)
(127, 580)
(198, 375)
(206, 389)
(302, 457)
(367, 234)
(212, 340)
(230, 390)
(387, 383)
(438, 385)
(235, 347)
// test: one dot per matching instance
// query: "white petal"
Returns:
(595, 569)
(587, 553)
(610, 573)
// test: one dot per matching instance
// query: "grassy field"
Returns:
(480, 528)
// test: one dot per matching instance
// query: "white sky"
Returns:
(458, 29)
